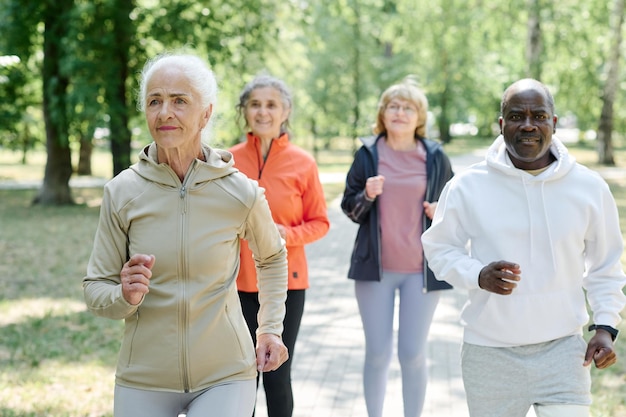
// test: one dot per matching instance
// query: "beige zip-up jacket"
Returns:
(188, 333)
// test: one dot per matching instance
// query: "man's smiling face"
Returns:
(527, 124)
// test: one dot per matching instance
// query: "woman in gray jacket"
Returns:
(166, 256)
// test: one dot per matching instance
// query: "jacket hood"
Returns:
(370, 141)
(498, 158)
(219, 163)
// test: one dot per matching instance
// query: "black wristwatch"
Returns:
(614, 332)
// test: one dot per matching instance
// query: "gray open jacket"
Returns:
(365, 262)
(188, 333)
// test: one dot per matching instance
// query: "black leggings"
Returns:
(277, 383)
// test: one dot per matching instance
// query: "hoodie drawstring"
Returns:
(549, 229)
(532, 226)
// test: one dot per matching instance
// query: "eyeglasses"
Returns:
(395, 108)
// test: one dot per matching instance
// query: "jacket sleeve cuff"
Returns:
(113, 306)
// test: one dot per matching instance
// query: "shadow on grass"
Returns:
(68, 338)
(45, 250)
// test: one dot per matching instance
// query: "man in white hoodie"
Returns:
(528, 233)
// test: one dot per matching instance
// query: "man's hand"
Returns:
(499, 277)
(600, 350)
(135, 275)
(271, 352)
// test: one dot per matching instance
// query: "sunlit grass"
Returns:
(57, 359)
(57, 389)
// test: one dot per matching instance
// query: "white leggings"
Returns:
(233, 399)
(376, 302)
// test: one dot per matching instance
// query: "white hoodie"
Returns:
(561, 227)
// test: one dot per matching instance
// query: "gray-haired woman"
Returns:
(165, 260)
(296, 198)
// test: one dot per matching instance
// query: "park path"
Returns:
(330, 349)
(329, 353)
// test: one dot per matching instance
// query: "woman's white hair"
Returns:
(197, 71)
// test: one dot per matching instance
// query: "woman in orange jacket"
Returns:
(296, 199)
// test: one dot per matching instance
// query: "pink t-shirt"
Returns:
(401, 207)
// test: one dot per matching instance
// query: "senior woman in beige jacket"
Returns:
(166, 256)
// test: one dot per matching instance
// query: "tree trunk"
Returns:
(55, 189)
(605, 128)
(534, 43)
(84, 155)
(314, 147)
(26, 143)
(443, 122)
(116, 89)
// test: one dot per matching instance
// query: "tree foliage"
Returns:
(337, 56)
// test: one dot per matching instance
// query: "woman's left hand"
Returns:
(429, 209)
(271, 352)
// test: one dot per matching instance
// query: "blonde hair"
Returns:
(407, 90)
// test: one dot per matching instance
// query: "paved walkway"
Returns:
(329, 355)
(327, 369)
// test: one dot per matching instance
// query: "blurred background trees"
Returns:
(68, 68)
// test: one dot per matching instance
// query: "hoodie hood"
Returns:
(219, 163)
(498, 158)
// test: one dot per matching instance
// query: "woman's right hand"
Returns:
(374, 186)
(135, 275)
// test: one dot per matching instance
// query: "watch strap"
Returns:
(613, 331)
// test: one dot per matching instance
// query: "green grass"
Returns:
(56, 359)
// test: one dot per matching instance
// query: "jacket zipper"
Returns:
(262, 166)
(374, 156)
(184, 312)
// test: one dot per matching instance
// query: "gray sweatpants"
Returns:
(234, 399)
(506, 382)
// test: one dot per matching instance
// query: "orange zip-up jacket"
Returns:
(296, 198)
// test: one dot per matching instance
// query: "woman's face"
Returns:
(174, 111)
(265, 112)
(400, 117)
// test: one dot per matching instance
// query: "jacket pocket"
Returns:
(130, 332)
(238, 330)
